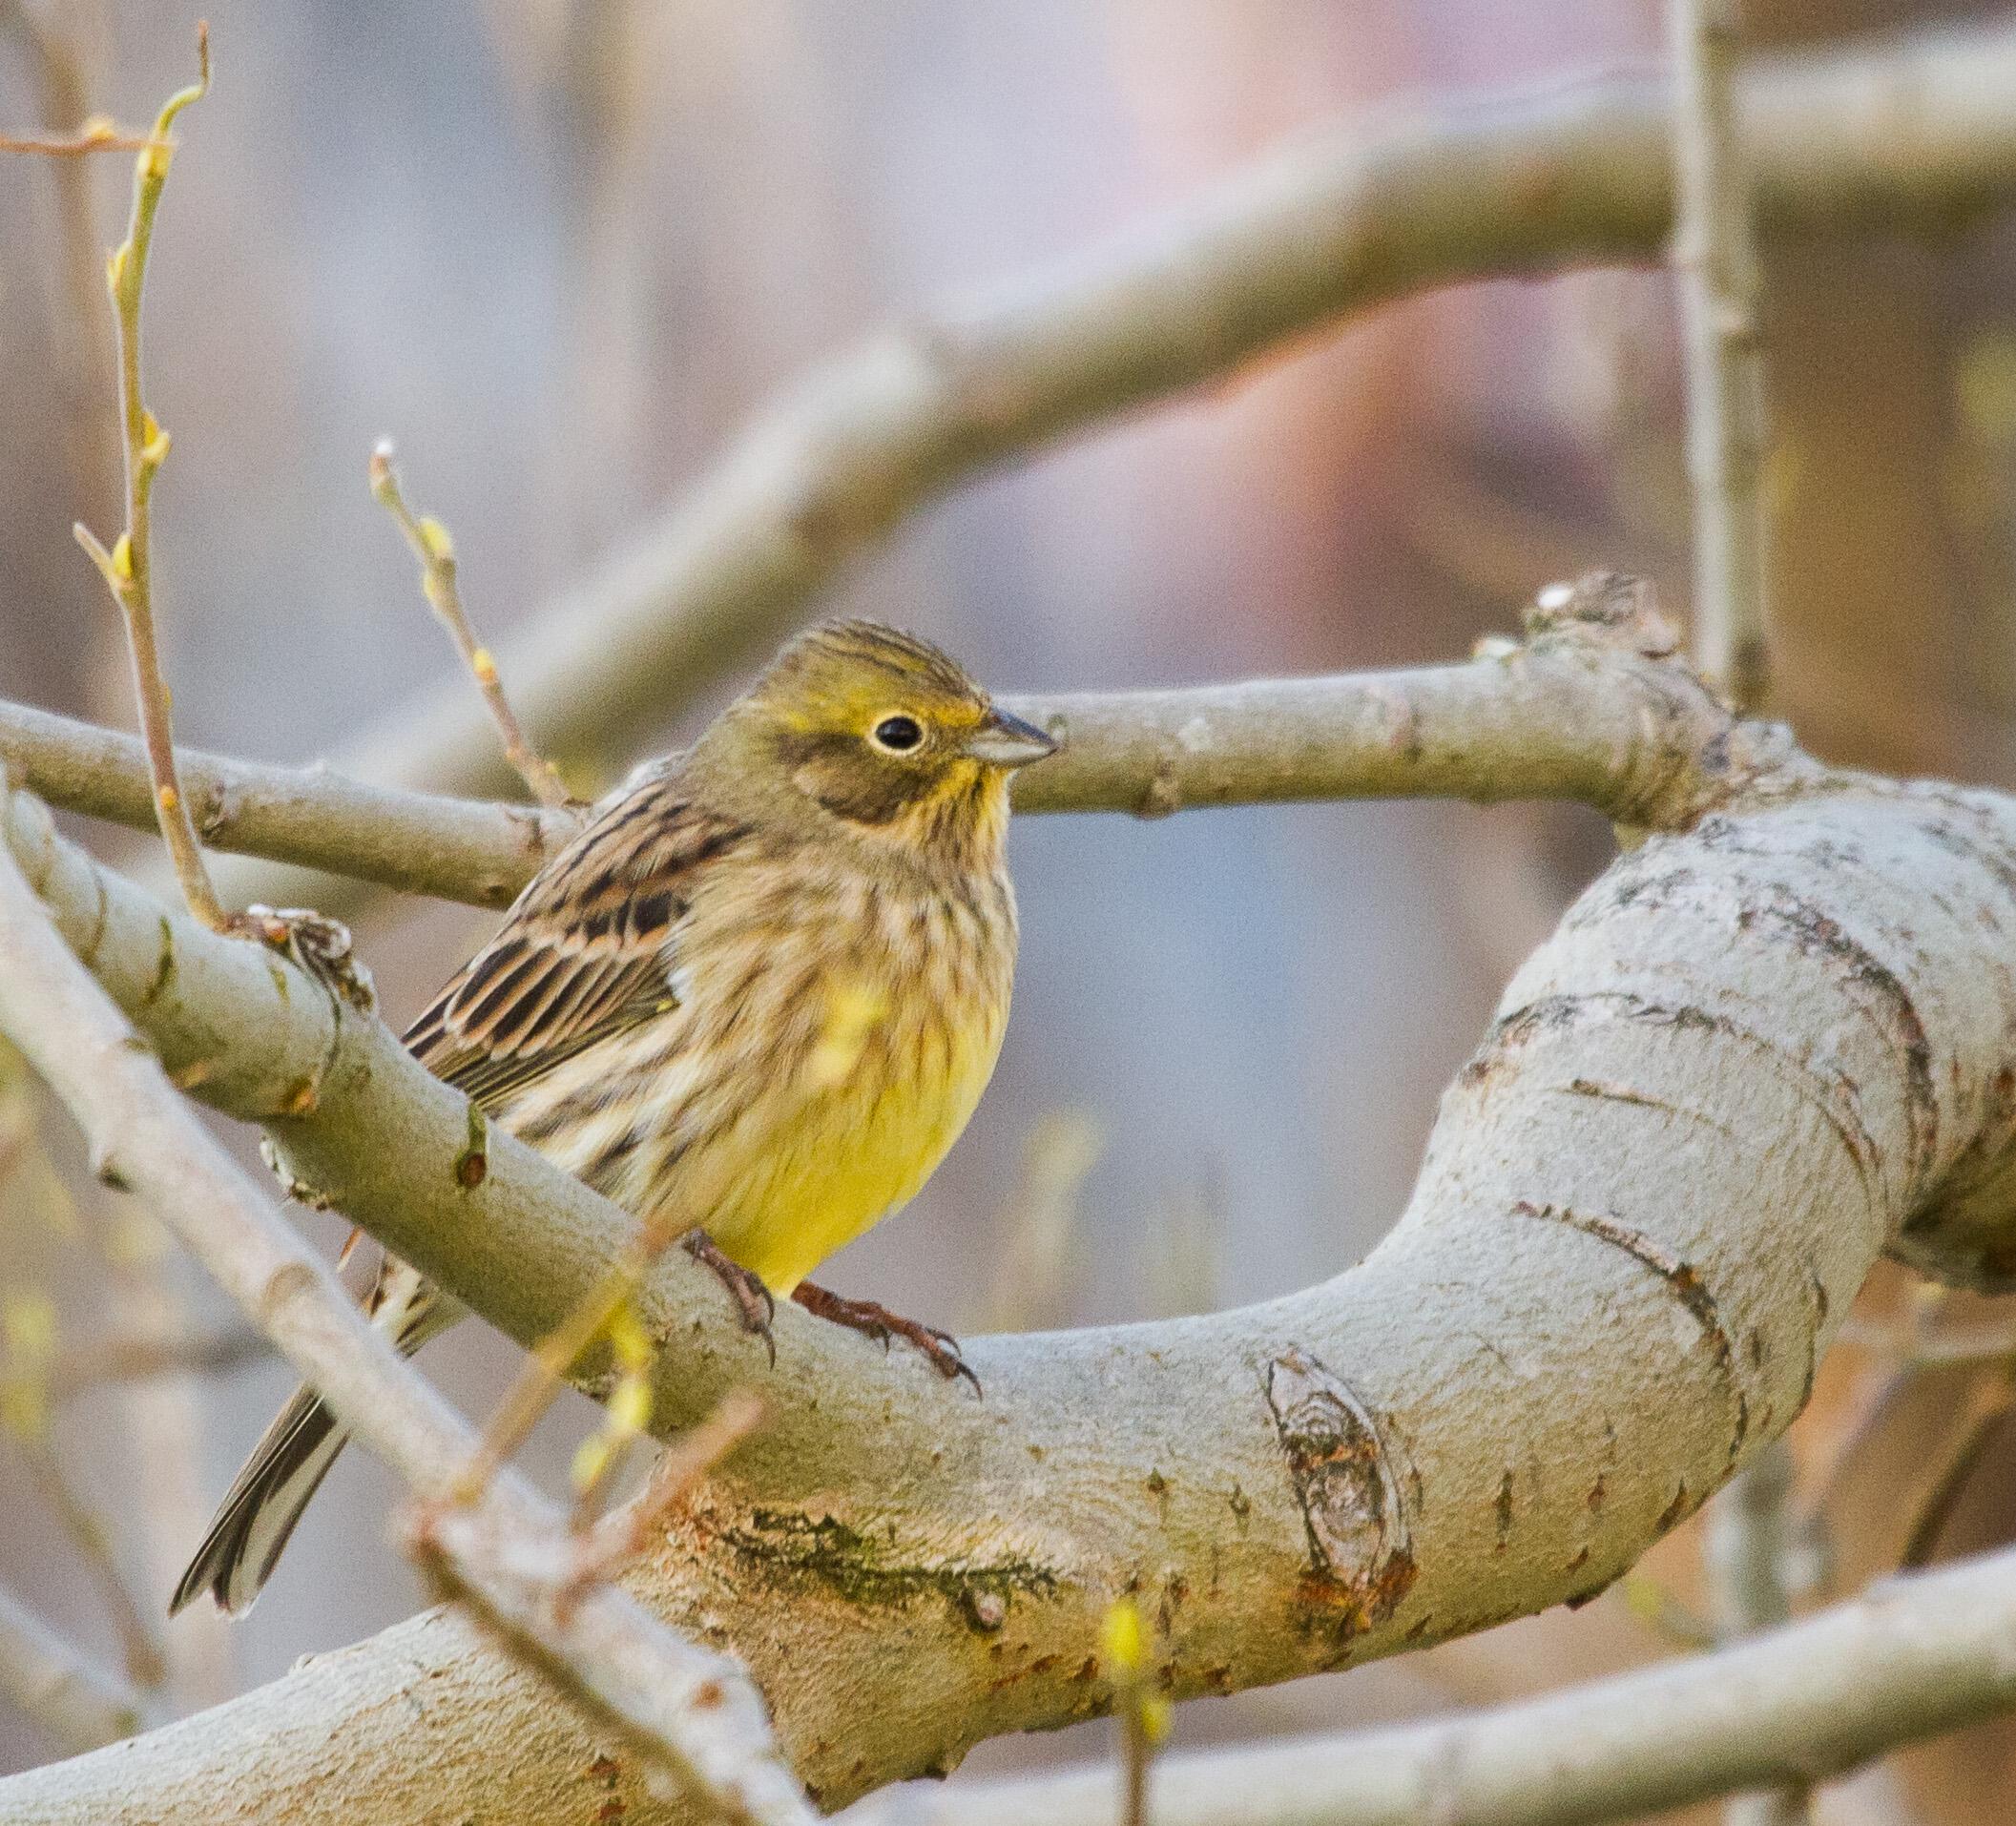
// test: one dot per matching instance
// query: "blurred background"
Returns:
(560, 250)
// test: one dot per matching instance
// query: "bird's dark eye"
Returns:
(899, 735)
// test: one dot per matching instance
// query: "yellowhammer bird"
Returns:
(757, 998)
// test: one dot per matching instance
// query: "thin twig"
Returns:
(1988, 1404)
(138, 1648)
(544, 1375)
(1913, 1349)
(1142, 1711)
(618, 1539)
(96, 135)
(80, 1703)
(1714, 254)
(141, 1356)
(626, 1414)
(438, 583)
(128, 568)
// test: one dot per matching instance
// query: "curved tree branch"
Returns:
(1534, 720)
(1910, 133)
(1798, 1005)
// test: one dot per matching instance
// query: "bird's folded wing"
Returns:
(588, 949)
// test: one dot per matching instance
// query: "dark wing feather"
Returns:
(587, 952)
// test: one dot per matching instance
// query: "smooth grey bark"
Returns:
(1767, 1044)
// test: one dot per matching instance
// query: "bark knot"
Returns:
(1360, 1554)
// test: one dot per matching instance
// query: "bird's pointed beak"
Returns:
(1002, 741)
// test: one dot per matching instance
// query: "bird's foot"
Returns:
(879, 1323)
(754, 1301)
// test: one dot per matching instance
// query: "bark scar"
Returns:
(1835, 1098)
(1346, 1485)
(1680, 1276)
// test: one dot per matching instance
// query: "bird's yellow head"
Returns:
(887, 733)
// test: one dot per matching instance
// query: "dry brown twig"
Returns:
(440, 585)
(96, 135)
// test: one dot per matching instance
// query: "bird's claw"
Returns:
(754, 1301)
(940, 1348)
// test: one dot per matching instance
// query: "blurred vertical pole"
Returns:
(54, 43)
(1748, 1549)
(592, 91)
(1714, 256)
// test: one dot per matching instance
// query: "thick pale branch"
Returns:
(628, 1669)
(1799, 1006)
(1911, 1658)
(1911, 133)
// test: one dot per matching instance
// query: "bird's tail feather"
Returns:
(258, 1514)
(260, 1511)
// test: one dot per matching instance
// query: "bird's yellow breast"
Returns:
(858, 1149)
(900, 1035)
(828, 1048)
